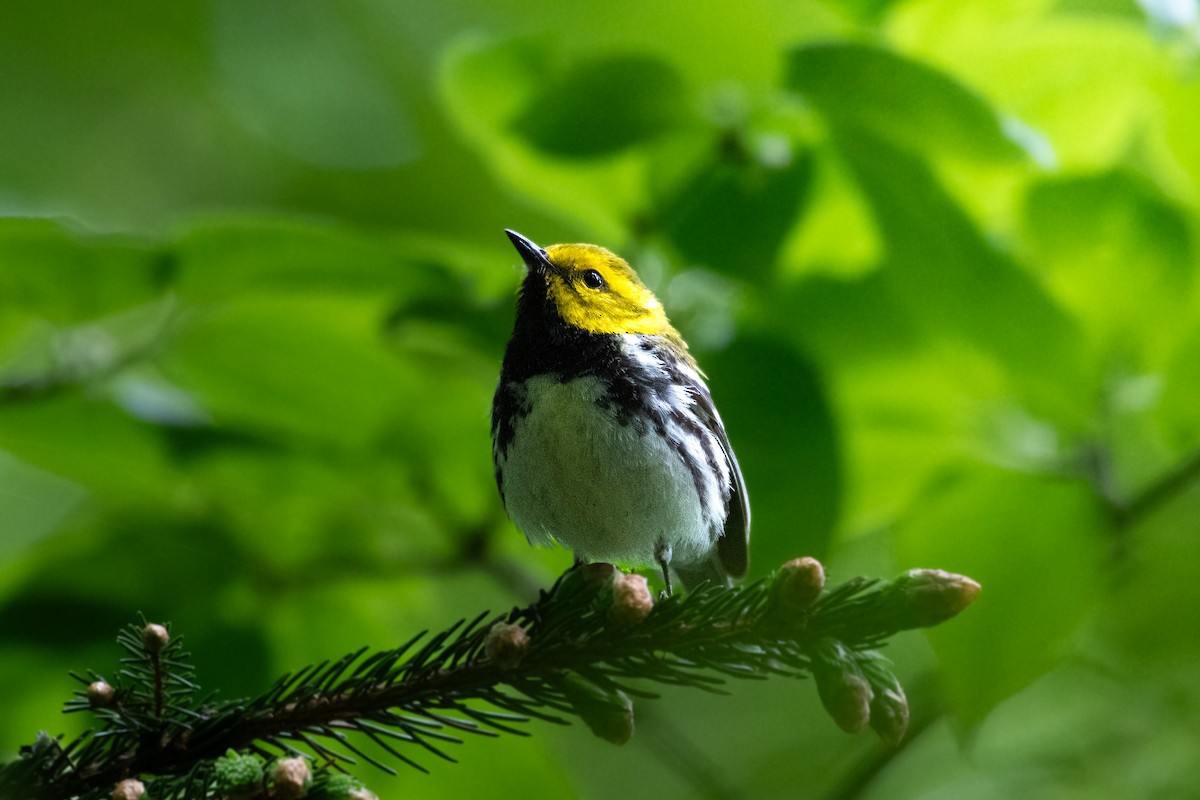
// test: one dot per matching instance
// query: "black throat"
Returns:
(542, 344)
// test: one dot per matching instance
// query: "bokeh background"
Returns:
(937, 257)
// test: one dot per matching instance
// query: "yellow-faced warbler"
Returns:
(604, 434)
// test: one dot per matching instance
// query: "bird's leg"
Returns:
(662, 553)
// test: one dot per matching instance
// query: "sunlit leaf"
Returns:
(1035, 544)
(951, 278)
(836, 235)
(898, 99)
(1118, 254)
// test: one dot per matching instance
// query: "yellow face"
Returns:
(597, 291)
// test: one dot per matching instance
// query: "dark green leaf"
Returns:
(789, 450)
(601, 106)
(735, 211)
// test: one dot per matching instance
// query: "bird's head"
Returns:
(593, 289)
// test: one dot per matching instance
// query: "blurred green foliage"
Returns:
(938, 258)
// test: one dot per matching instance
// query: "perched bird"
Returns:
(604, 435)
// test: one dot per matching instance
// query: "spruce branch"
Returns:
(582, 650)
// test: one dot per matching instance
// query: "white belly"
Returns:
(574, 474)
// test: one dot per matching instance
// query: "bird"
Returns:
(605, 437)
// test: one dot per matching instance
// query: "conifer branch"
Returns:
(587, 645)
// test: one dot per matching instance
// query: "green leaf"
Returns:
(869, 11)
(789, 451)
(44, 358)
(216, 260)
(600, 106)
(1087, 81)
(33, 504)
(1118, 254)
(312, 367)
(954, 282)
(49, 271)
(1178, 409)
(836, 235)
(486, 83)
(296, 75)
(736, 210)
(1036, 546)
(899, 100)
(87, 442)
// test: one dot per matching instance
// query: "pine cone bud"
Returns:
(844, 691)
(238, 775)
(599, 572)
(340, 786)
(932, 596)
(129, 789)
(290, 779)
(797, 585)
(506, 645)
(100, 694)
(155, 637)
(631, 601)
(889, 713)
(607, 712)
(586, 579)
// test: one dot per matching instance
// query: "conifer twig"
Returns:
(581, 650)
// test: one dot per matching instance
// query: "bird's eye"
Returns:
(593, 279)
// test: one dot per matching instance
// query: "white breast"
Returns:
(572, 473)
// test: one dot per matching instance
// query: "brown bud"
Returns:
(155, 637)
(797, 584)
(129, 789)
(290, 779)
(933, 596)
(631, 601)
(100, 694)
(506, 644)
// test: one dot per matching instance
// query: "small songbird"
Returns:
(604, 435)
